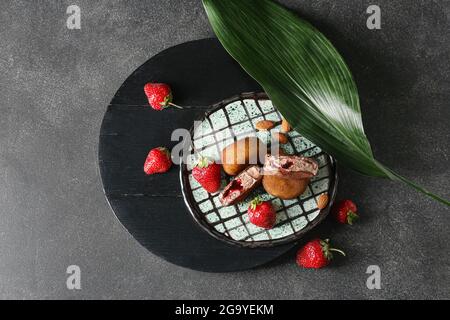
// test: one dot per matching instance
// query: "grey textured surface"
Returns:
(55, 85)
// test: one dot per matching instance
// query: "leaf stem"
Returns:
(420, 189)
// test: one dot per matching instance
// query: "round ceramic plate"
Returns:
(235, 119)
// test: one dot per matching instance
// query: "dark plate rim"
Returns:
(188, 197)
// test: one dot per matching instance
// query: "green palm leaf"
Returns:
(303, 74)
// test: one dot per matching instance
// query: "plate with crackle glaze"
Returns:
(227, 122)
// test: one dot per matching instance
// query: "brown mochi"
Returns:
(285, 189)
(239, 155)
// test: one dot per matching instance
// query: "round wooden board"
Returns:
(152, 208)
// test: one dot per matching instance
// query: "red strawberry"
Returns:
(316, 254)
(207, 173)
(345, 212)
(262, 214)
(158, 161)
(159, 96)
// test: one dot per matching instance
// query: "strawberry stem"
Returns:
(337, 250)
(255, 202)
(203, 162)
(175, 105)
(351, 217)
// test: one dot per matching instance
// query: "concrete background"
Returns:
(56, 83)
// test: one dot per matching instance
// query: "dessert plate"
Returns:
(234, 119)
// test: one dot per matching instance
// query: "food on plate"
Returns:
(261, 213)
(290, 166)
(159, 96)
(241, 186)
(207, 173)
(287, 177)
(281, 152)
(280, 137)
(238, 155)
(283, 188)
(316, 254)
(322, 201)
(158, 161)
(345, 212)
(264, 125)
(285, 126)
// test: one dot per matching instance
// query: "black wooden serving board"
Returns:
(152, 208)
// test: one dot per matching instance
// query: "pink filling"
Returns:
(287, 165)
(236, 185)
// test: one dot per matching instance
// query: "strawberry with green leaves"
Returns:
(159, 96)
(262, 214)
(207, 173)
(345, 212)
(316, 254)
